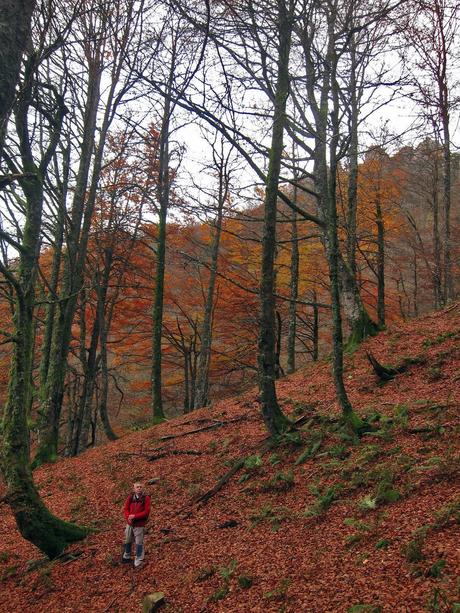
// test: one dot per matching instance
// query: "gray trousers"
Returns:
(134, 533)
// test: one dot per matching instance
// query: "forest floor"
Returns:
(317, 523)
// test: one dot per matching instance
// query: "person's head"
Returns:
(138, 487)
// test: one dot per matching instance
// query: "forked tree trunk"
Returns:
(33, 519)
(326, 178)
(52, 390)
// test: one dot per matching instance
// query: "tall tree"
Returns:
(14, 36)
(431, 33)
(222, 169)
(41, 102)
(274, 418)
(107, 40)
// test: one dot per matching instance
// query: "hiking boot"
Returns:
(139, 555)
(126, 557)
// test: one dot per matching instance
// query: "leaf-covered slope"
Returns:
(319, 523)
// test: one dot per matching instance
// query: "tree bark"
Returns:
(274, 419)
(51, 392)
(33, 519)
(157, 314)
(202, 377)
(294, 292)
(353, 163)
(16, 16)
(380, 262)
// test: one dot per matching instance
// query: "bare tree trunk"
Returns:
(157, 314)
(315, 330)
(52, 307)
(353, 163)
(16, 16)
(294, 292)
(91, 156)
(201, 397)
(380, 262)
(51, 391)
(326, 180)
(448, 289)
(274, 418)
(437, 275)
(104, 393)
(33, 519)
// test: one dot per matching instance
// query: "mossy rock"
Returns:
(152, 602)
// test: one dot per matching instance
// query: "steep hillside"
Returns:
(318, 523)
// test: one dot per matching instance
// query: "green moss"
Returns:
(363, 328)
(245, 581)
(220, 593)
(436, 569)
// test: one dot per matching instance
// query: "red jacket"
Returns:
(140, 508)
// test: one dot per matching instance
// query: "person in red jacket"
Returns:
(136, 511)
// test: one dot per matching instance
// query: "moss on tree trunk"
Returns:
(274, 419)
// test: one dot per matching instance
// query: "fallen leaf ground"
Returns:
(374, 523)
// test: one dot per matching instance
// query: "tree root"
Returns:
(382, 372)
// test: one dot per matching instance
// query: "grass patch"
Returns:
(281, 482)
(280, 592)
(245, 581)
(310, 450)
(413, 550)
(438, 340)
(275, 516)
(436, 569)
(220, 593)
(324, 499)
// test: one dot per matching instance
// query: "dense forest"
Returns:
(200, 197)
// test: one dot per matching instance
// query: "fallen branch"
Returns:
(200, 420)
(222, 481)
(427, 429)
(218, 424)
(304, 419)
(142, 454)
(111, 603)
(72, 557)
(174, 452)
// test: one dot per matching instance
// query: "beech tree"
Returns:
(106, 41)
(38, 117)
(430, 34)
(14, 36)
(222, 167)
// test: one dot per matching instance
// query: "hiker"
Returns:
(136, 511)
